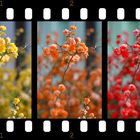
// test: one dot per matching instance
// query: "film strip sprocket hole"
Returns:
(101, 128)
(66, 14)
(84, 125)
(65, 126)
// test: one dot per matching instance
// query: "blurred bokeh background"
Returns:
(125, 29)
(83, 32)
(121, 27)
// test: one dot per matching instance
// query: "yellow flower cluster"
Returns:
(16, 114)
(16, 101)
(3, 28)
(8, 49)
(18, 84)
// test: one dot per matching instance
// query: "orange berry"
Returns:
(80, 49)
(86, 101)
(61, 87)
(46, 51)
(44, 115)
(78, 39)
(65, 46)
(58, 113)
(53, 47)
(48, 81)
(91, 115)
(50, 104)
(73, 27)
(72, 48)
(55, 54)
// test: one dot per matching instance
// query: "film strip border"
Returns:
(72, 14)
(94, 127)
(82, 126)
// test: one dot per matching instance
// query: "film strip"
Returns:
(68, 127)
(66, 14)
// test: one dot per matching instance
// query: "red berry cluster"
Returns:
(122, 50)
(124, 79)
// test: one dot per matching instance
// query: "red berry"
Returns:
(133, 113)
(124, 88)
(125, 54)
(124, 113)
(117, 87)
(115, 115)
(123, 47)
(135, 46)
(133, 103)
(119, 36)
(132, 64)
(117, 51)
(110, 96)
(118, 81)
(132, 87)
(118, 41)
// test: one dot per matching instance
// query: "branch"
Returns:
(67, 68)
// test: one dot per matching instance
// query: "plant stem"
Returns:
(64, 76)
(66, 69)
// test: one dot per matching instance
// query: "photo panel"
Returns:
(124, 70)
(15, 70)
(69, 70)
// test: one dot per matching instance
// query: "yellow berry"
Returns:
(16, 101)
(7, 40)
(21, 115)
(2, 45)
(5, 58)
(3, 28)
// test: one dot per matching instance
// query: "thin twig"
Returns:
(64, 76)
(66, 68)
